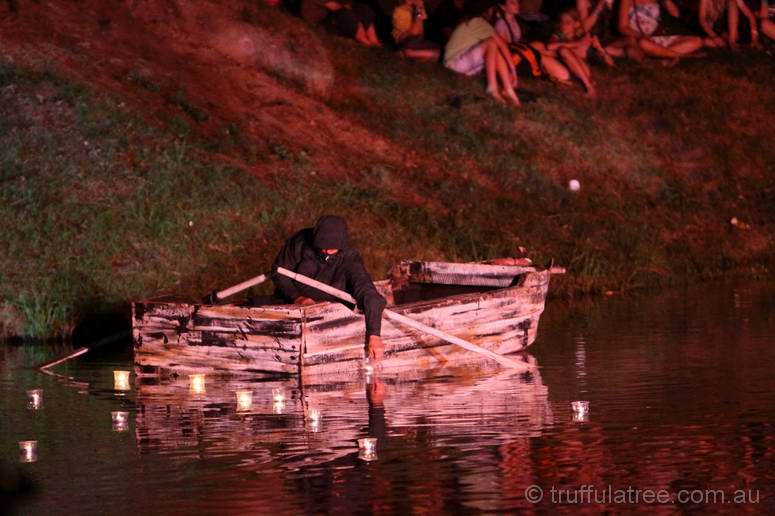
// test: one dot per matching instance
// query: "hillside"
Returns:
(163, 146)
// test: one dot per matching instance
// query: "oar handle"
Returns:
(78, 352)
(252, 282)
(328, 289)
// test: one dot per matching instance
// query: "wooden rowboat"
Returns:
(494, 306)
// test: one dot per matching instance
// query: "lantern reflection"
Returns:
(244, 400)
(35, 399)
(121, 380)
(278, 395)
(28, 451)
(278, 407)
(314, 416)
(580, 410)
(197, 383)
(120, 421)
(367, 448)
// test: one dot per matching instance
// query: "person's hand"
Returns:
(375, 348)
(376, 393)
(303, 301)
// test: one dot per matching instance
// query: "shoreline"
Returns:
(116, 188)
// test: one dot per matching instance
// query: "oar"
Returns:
(80, 351)
(508, 362)
(239, 287)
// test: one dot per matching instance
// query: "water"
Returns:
(681, 396)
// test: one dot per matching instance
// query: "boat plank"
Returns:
(212, 359)
(329, 337)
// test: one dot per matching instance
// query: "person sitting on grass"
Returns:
(345, 18)
(642, 19)
(475, 46)
(526, 57)
(712, 11)
(598, 21)
(408, 31)
(323, 253)
(573, 45)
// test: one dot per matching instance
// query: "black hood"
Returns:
(330, 233)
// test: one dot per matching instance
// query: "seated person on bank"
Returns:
(475, 47)
(408, 31)
(345, 18)
(323, 254)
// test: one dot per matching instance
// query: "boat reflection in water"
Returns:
(322, 422)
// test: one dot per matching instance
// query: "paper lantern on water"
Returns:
(197, 383)
(35, 399)
(28, 451)
(244, 400)
(121, 380)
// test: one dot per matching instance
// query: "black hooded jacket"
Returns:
(344, 270)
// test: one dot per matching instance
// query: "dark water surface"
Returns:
(681, 392)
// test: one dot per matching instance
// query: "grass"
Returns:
(99, 207)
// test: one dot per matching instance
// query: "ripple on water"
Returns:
(680, 395)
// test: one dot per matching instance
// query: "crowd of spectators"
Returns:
(553, 39)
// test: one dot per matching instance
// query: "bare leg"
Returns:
(572, 61)
(768, 29)
(490, 66)
(686, 45)
(555, 69)
(361, 36)
(626, 47)
(733, 17)
(421, 54)
(617, 48)
(505, 75)
(652, 49)
(371, 34)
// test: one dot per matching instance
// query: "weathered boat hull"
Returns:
(329, 337)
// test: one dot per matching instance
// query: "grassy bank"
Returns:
(99, 207)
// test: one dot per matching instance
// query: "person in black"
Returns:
(323, 254)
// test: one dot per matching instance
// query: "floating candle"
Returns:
(28, 451)
(121, 380)
(197, 383)
(35, 399)
(244, 400)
